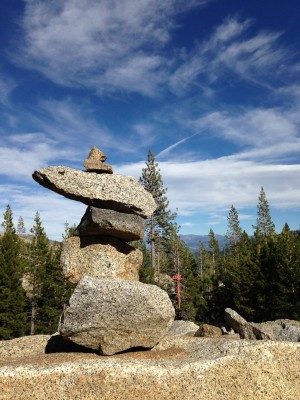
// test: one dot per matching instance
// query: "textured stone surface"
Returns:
(23, 347)
(281, 330)
(238, 324)
(183, 328)
(95, 162)
(97, 166)
(99, 221)
(99, 257)
(164, 281)
(116, 315)
(190, 369)
(206, 330)
(115, 192)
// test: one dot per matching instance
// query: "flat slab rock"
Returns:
(111, 191)
(99, 257)
(115, 315)
(99, 221)
(187, 368)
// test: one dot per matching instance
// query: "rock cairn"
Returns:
(110, 310)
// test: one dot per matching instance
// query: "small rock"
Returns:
(183, 328)
(238, 324)
(95, 162)
(100, 257)
(115, 315)
(206, 330)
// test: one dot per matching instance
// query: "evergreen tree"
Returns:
(264, 227)
(146, 272)
(280, 266)
(21, 226)
(234, 230)
(160, 224)
(12, 297)
(215, 250)
(49, 291)
(39, 256)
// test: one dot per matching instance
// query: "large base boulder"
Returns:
(100, 257)
(115, 315)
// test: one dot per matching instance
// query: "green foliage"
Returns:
(12, 298)
(49, 291)
(264, 227)
(159, 226)
(146, 272)
(234, 230)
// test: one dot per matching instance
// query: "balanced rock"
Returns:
(95, 162)
(99, 221)
(111, 191)
(100, 257)
(115, 315)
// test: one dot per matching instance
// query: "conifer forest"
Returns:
(257, 275)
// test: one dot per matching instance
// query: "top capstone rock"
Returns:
(95, 162)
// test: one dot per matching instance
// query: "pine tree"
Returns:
(21, 226)
(234, 230)
(39, 256)
(280, 266)
(264, 227)
(160, 224)
(13, 316)
(47, 289)
(215, 250)
(146, 272)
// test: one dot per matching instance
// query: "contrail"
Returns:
(168, 149)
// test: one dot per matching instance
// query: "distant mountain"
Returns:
(193, 241)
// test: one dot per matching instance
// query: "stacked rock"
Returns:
(110, 310)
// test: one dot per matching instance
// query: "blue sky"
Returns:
(211, 87)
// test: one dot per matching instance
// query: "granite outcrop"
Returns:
(178, 368)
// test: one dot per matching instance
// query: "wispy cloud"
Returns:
(7, 85)
(106, 45)
(232, 49)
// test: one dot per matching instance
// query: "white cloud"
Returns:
(104, 44)
(213, 185)
(54, 209)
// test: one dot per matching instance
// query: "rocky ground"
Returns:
(181, 367)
